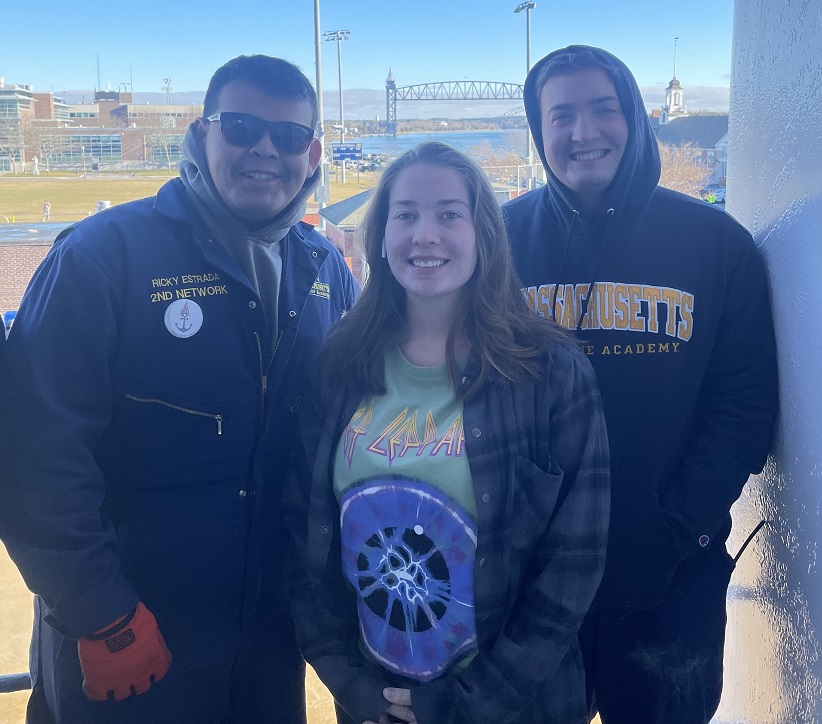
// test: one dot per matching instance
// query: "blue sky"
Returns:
(56, 47)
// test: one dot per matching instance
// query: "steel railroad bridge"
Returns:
(456, 90)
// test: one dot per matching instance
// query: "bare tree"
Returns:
(45, 141)
(500, 162)
(12, 141)
(164, 138)
(679, 169)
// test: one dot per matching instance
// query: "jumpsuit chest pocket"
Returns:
(217, 417)
(171, 441)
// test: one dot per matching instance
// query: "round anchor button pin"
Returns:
(183, 318)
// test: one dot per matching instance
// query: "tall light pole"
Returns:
(527, 6)
(339, 36)
(322, 188)
(167, 89)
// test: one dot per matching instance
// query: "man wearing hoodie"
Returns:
(668, 297)
(153, 383)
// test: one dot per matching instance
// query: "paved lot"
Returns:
(34, 233)
(15, 628)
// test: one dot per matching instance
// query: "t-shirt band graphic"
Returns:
(408, 550)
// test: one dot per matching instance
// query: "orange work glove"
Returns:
(125, 658)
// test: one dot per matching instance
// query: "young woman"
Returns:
(452, 520)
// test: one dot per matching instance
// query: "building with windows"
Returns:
(149, 114)
(48, 107)
(342, 220)
(703, 136)
(111, 131)
(84, 114)
(16, 112)
(674, 106)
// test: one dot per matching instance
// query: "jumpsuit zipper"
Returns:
(188, 411)
(264, 373)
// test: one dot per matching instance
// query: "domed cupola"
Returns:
(674, 98)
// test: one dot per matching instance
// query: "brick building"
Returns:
(704, 136)
(342, 221)
(16, 113)
(111, 132)
(21, 252)
(24, 246)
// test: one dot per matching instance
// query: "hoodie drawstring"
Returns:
(609, 214)
(562, 263)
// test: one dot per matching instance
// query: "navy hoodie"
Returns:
(668, 296)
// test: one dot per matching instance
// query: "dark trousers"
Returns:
(662, 665)
(342, 717)
(228, 666)
(212, 680)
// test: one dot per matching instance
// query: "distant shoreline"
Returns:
(432, 130)
(475, 125)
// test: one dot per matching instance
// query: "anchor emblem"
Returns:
(183, 318)
(184, 314)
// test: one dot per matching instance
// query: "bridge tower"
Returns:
(390, 104)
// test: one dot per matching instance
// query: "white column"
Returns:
(773, 654)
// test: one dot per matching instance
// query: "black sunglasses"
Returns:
(245, 131)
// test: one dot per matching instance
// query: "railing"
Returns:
(521, 176)
(14, 682)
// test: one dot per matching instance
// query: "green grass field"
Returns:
(73, 197)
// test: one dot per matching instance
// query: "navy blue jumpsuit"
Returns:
(147, 426)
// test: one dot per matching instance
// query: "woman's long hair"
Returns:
(492, 314)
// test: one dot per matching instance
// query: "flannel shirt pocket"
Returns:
(533, 500)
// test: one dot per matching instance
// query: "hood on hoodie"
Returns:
(199, 184)
(638, 172)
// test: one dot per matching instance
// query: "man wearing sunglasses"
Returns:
(154, 380)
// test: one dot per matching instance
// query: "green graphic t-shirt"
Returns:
(408, 522)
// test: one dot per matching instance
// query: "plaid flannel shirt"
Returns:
(538, 456)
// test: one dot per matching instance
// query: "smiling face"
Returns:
(257, 183)
(430, 240)
(584, 133)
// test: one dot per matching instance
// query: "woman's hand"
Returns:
(400, 707)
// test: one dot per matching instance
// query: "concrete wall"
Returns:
(774, 651)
